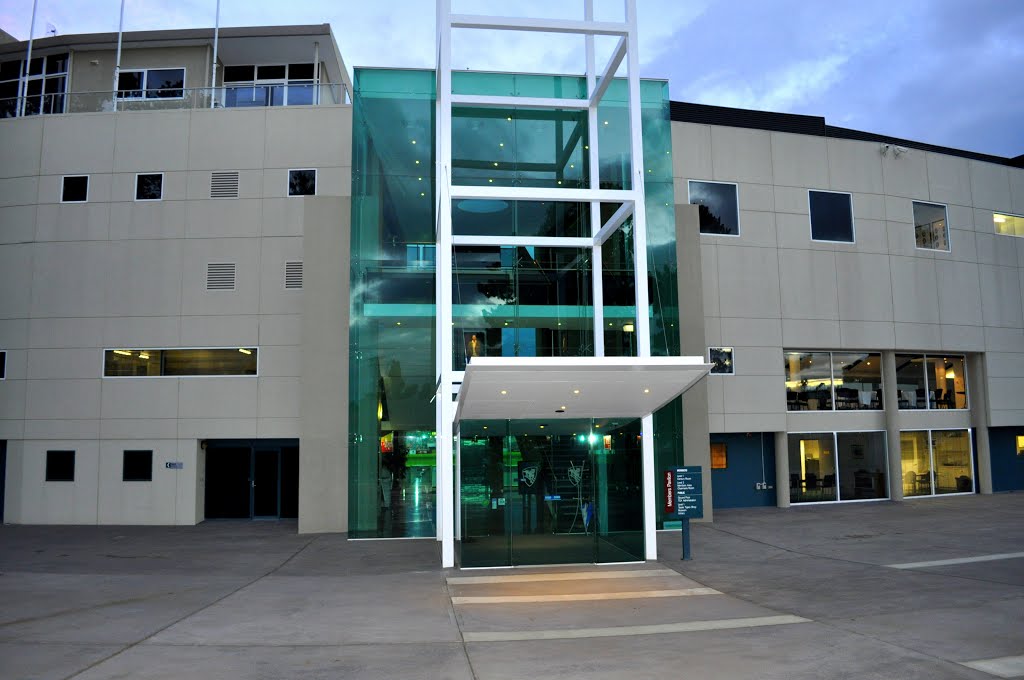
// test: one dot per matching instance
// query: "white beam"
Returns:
(518, 102)
(609, 72)
(539, 25)
(624, 212)
(524, 241)
(594, 166)
(542, 194)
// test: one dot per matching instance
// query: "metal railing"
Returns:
(234, 96)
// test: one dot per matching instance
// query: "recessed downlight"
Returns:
(504, 392)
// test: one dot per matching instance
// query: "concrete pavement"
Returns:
(800, 593)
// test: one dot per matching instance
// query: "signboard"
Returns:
(689, 492)
(171, 465)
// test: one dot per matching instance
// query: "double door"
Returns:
(561, 492)
(255, 480)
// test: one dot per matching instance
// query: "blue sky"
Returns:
(948, 72)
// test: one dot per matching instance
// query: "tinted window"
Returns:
(149, 187)
(129, 84)
(300, 72)
(270, 72)
(234, 74)
(718, 206)
(76, 189)
(721, 357)
(302, 182)
(60, 466)
(3, 365)
(166, 82)
(137, 466)
(831, 216)
(157, 362)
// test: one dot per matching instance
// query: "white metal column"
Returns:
(629, 202)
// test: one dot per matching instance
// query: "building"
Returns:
(221, 299)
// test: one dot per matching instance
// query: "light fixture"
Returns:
(485, 427)
(510, 119)
(380, 410)
(501, 144)
(598, 425)
(414, 141)
(647, 390)
(999, 219)
(417, 162)
(244, 350)
(398, 323)
(495, 164)
(504, 392)
(143, 355)
(627, 328)
(575, 391)
(542, 427)
(123, 352)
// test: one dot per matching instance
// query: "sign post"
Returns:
(684, 495)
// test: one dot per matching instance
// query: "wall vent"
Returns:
(220, 276)
(224, 184)
(293, 275)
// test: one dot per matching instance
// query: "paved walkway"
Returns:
(830, 591)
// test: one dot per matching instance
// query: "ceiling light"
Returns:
(999, 219)
(501, 143)
(542, 427)
(398, 323)
(244, 350)
(123, 352)
(647, 390)
(510, 119)
(627, 328)
(575, 391)
(597, 426)
(485, 427)
(414, 141)
(504, 392)
(417, 162)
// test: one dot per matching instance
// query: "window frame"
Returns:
(148, 200)
(288, 182)
(46, 472)
(835, 443)
(832, 380)
(88, 187)
(145, 82)
(285, 82)
(732, 358)
(853, 219)
(945, 220)
(739, 221)
(929, 390)
(931, 461)
(1003, 213)
(124, 465)
(103, 364)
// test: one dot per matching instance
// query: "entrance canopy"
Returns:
(527, 388)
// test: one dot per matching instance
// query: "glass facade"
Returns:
(936, 462)
(931, 382)
(825, 381)
(507, 300)
(837, 466)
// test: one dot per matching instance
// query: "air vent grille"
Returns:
(220, 276)
(293, 275)
(224, 184)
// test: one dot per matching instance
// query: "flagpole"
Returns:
(213, 69)
(117, 65)
(28, 61)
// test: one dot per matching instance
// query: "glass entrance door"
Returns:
(560, 492)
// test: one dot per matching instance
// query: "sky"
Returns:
(947, 72)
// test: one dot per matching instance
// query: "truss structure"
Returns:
(629, 202)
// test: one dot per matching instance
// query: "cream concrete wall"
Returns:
(774, 288)
(112, 272)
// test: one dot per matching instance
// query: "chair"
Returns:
(828, 486)
(939, 402)
(922, 398)
(847, 398)
(792, 400)
(810, 483)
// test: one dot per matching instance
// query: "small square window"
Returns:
(1020, 445)
(718, 204)
(302, 182)
(137, 466)
(719, 456)
(831, 216)
(60, 466)
(931, 231)
(75, 189)
(149, 187)
(129, 84)
(721, 357)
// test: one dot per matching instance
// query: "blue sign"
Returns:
(689, 492)
(172, 465)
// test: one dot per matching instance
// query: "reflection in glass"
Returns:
(947, 382)
(862, 465)
(721, 358)
(812, 468)
(911, 387)
(916, 463)
(858, 380)
(718, 207)
(931, 230)
(831, 216)
(302, 182)
(180, 362)
(808, 381)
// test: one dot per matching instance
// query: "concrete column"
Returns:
(890, 399)
(782, 469)
(977, 383)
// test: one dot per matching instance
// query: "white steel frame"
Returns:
(632, 205)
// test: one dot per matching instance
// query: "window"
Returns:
(837, 466)
(3, 365)
(718, 205)
(931, 382)
(45, 86)
(721, 357)
(302, 182)
(931, 230)
(137, 466)
(935, 462)
(831, 216)
(154, 83)
(826, 381)
(269, 85)
(1011, 225)
(75, 189)
(149, 187)
(120, 363)
(719, 458)
(60, 466)
(1020, 445)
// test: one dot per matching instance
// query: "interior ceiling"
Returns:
(585, 387)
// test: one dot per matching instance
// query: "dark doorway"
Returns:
(252, 479)
(3, 477)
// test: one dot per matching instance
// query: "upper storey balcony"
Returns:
(166, 70)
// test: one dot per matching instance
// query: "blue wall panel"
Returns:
(734, 487)
(1007, 466)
